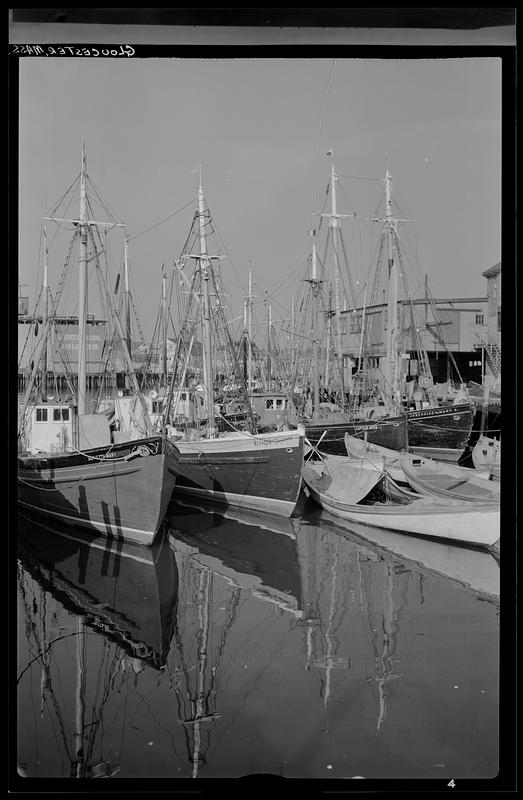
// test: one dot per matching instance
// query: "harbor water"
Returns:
(242, 645)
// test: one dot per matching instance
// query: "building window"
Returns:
(499, 320)
(41, 414)
(355, 323)
(480, 319)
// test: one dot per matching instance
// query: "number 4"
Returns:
(451, 783)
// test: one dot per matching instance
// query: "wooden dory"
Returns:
(343, 490)
(425, 475)
(448, 480)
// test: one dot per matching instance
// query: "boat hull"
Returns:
(258, 472)
(463, 522)
(389, 432)
(445, 426)
(122, 491)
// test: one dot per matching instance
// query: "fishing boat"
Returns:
(360, 495)
(234, 466)
(377, 407)
(73, 465)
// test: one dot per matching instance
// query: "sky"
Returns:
(261, 128)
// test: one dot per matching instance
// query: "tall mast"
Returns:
(249, 334)
(82, 290)
(206, 321)
(269, 323)
(328, 340)
(315, 365)
(164, 320)
(334, 218)
(127, 297)
(46, 316)
(391, 366)
(333, 223)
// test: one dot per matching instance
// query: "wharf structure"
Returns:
(460, 336)
(105, 364)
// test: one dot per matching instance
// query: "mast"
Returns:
(249, 334)
(391, 365)
(269, 322)
(293, 338)
(333, 223)
(127, 297)
(328, 340)
(46, 316)
(206, 313)
(164, 320)
(315, 283)
(82, 290)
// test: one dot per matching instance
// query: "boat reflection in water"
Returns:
(120, 600)
(353, 611)
(288, 646)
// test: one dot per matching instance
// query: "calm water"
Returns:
(242, 645)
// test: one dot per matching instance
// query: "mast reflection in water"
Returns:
(248, 644)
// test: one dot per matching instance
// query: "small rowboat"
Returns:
(448, 480)
(356, 494)
(426, 475)
(375, 455)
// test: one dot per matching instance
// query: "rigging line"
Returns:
(104, 203)
(53, 208)
(357, 178)
(41, 653)
(320, 126)
(157, 224)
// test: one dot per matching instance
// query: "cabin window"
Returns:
(60, 414)
(343, 325)
(41, 414)
(480, 319)
(157, 406)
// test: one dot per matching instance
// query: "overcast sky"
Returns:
(261, 129)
